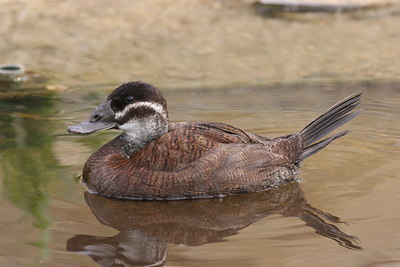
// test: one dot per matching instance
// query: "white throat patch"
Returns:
(142, 130)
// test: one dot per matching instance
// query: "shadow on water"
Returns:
(146, 227)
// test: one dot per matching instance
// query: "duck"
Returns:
(155, 159)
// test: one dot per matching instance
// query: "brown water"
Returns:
(345, 212)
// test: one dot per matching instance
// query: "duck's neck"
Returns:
(139, 132)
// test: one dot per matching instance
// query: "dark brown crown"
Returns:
(132, 92)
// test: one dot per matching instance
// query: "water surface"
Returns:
(345, 212)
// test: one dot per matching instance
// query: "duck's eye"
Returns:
(129, 99)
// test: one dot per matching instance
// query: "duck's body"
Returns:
(155, 159)
(194, 159)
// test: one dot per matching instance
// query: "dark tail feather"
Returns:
(311, 150)
(330, 120)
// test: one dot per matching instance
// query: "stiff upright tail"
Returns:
(331, 119)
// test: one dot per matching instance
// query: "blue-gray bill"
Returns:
(102, 118)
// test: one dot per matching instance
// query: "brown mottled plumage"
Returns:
(155, 159)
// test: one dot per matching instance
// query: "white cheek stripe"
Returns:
(154, 106)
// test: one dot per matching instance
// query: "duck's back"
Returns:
(187, 142)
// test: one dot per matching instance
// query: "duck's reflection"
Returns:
(146, 227)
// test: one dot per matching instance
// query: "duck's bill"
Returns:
(102, 118)
(87, 127)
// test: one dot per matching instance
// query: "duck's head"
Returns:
(137, 108)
